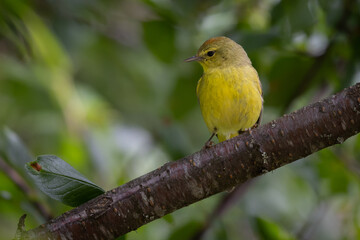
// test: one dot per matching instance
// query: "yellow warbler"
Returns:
(229, 91)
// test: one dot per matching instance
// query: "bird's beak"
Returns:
(193, 58)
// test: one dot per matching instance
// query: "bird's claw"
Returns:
(208, 144)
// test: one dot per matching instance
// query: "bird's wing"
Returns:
(198, 85)
(260, 117)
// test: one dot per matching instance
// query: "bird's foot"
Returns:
(208, 144)
(248, 129)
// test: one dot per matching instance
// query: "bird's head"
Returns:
(220, 52)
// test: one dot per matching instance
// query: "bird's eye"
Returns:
(210, 53)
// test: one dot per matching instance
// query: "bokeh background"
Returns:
(103, 85)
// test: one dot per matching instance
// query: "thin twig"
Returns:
(225, 204)
(25, 188)
(314, 220)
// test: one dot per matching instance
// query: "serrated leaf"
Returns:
(13, 149)
(60, 181)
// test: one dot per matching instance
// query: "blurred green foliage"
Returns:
(103, 85)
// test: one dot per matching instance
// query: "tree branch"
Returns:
(210, 171)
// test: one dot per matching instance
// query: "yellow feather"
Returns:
(229, 99)
(229, 92)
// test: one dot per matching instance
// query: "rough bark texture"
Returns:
(210, 171)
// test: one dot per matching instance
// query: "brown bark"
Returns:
(210, 171)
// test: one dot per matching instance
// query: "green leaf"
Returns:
(62, 182)
(159, 37)
(123, 237)
(271, 231)
(336, 178)
(168, 218)
(186, 231)
(222, 232)
(333, 10)
(356, 149)
(179, 104)
(286, 68)
(13, 149)
(295, 15)
(252, 41)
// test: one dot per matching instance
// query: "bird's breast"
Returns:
(230, 98)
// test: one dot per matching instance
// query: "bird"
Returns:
(229, 91)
